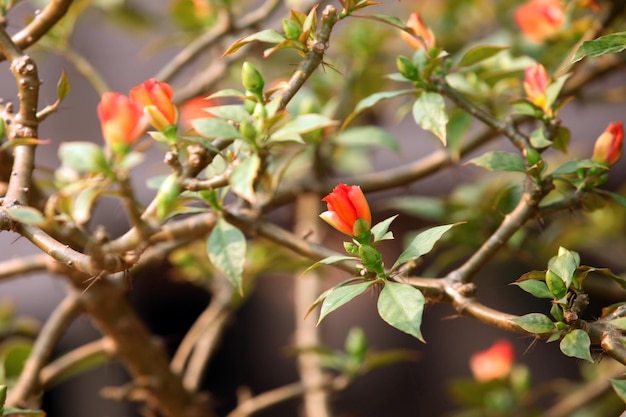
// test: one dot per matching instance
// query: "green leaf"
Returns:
(608, 44)
(301, 124)
(535, 323)
(576, 344)
(216, 128)
(226, 247)
(480, 53)
(401, 306)
(370, 101)
(83, 157)
(538, 139)
(537, 288)
(619, 385)
(500, 161)
(13, 357)
(26, 215)
(379, 230)
(619, 199)
(243, 176)
(3, 397)
(429, 112)
(63, 86)
(367, 136)
(234, 112)
(227, 92)
(422, 244)
(572, 166)
(564, 265)
(83, 204)
(329, 261)
(268, 36)
(340, 295)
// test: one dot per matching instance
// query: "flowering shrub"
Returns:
(256, 125)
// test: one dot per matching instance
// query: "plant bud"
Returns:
(252, 79)
(406, 68)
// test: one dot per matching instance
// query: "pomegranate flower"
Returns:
(493, 363)
(422, 36)
(608, 147)
(121, 120)
(347, 204)
(536, 83)
(156, 99)
(540, 19)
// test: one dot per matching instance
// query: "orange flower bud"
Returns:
(121, 120)
(608, 147)
(347, 204)
(540, 19)
(156, 99)
(422, 36)
(536, 82)
(493, 363)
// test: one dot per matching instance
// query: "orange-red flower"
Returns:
(346, 204)
(493, 363)
(121, 120)
(536, 82)
(608, 147)
(156, 99)
(422, 36)
(194, 109)
(540, 19)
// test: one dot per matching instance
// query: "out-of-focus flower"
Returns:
(422, 36)
(608, 147)
(493, 363)
(194, 109)
(347, 204)
(536, 82)
(122, 121)
(540, 19)
(156, 99)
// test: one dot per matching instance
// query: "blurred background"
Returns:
(129, 41)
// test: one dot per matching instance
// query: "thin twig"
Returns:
(24, 265)
(54, 328)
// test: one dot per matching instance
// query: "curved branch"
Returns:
(24, 265)
(40, 25)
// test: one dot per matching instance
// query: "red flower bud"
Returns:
(608, 147)
(156, 99)
(536, 82)
(540, 19)
(347, 204)
(493, 363)
(121, 120)
(422, 36)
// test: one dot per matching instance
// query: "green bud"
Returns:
(351, 248)
(406, 68)
(372, 259)
(252, 79)
(292, 29)
(247, 131)
(166, 196)
(249, 105)
(356, 343)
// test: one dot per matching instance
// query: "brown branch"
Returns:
(39, 26)
(24, 265)
(28, 383)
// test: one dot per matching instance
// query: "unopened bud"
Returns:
(252, 79)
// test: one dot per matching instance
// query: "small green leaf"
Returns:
(576, 344)
(301, 124)
(538, 139)
(367, 136)
(370, 101)
(480, 53)
(243, 176)
(235, 112)
(537, 288)
(227, 92)
(608, 44)
(402, 306)
(26, 215)
(63, 86)
(564, 265)
(83, 157)
(216, 128)
(329, 261)
(379, 230)
(226, 247)
(340, 295)
(556, 285)
(619, 385)
(572, 166)
(83, 204)
(500, 161)
(429, 112)
(535, 323)
(619, 199)
(422, 244)
(268, 36)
